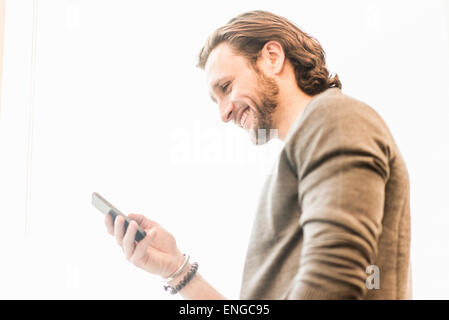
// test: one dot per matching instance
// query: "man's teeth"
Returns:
(244, 116)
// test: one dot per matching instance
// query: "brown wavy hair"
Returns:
(249, 32)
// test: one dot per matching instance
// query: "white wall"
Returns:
(119, 108)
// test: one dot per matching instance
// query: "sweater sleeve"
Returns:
(341, 156)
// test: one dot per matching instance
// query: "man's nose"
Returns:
(228, 112)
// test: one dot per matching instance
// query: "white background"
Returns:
(119, 108)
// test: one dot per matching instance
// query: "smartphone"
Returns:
(105, 207)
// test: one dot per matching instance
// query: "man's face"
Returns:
(243, 95)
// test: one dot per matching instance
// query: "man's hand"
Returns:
(157, 253)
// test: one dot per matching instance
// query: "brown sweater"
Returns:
(336, 202)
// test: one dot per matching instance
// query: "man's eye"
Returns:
(225, 87)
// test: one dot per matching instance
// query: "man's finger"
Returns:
(128, 244)
(109, 224)
(141, 250)
(119, 229)
(143, 221)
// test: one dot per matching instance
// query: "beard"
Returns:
(267, 96)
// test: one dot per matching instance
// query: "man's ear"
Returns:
(273, 58)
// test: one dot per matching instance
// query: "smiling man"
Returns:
(336, 206)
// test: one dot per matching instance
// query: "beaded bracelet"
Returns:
(182, 284)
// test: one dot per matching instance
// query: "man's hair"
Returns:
(249, 32)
